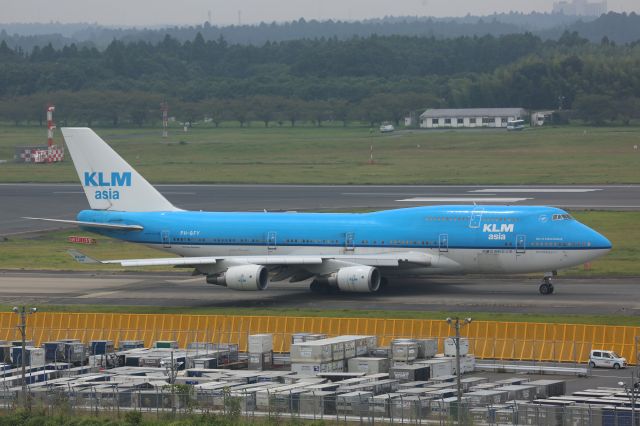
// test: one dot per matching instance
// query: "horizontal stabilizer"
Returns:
(115, 226)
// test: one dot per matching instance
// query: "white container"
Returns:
(438, 367)
(427, 348)
(450, 346)
(260, 343)
(260, 361)
(404, 351)
(467, 364)
(311, 352)
(353, 403)
(368, 365)
(311, 369)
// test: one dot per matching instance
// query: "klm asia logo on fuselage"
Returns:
(107, 184)
(498, 232)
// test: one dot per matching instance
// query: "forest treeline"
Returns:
(372, 79)
(618, 27)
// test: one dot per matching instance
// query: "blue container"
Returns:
(101, 347)
(53, 351)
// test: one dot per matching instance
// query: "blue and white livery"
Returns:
(353, 252)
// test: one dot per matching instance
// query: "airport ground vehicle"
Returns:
(606, 359)
(515, 125)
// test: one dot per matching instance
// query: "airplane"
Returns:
(348, 252)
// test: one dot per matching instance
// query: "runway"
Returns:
(63, 201)
(580, 296)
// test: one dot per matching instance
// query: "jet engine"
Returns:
(357, 279)
(243, 278)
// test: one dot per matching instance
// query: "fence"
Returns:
(488, 339)
(333, 409)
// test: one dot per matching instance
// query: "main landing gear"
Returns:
(547, 286)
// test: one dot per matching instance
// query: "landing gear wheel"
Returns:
(317, 287)
(322, 288)
(384, 282)
(546, 289)
(547, 286)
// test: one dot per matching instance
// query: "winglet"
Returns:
(82, 258)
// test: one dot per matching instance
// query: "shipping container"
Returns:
(34, 357)
(260, 361)
(101, 347)
(438, 366)
(126, 345)
(410, 373)
(260, 343)
(369, 365)
(450, 346)
(353, 404)
(404, 351)
(166, 344)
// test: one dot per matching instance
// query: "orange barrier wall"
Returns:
(488, 339)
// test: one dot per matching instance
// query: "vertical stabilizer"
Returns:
(109, 182)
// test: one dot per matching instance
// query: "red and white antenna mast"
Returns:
(51, 126)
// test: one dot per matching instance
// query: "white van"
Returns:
(606, 359)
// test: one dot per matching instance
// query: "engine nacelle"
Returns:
(357, 279)
(243, 278)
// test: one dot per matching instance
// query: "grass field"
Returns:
(307, 155)
(628, 320)
(47, 251)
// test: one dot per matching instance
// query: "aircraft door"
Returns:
(521, 243)
(166, 239)
(272, 240)
(443, 243)
(349, 241)
(476, 218)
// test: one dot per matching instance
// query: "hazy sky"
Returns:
(158, 12)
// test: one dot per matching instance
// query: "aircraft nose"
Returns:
(600, 241)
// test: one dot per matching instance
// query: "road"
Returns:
(63, 201)
(601, 296)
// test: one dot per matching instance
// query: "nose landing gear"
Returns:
(547, 286)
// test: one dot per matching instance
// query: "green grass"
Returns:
(47, 251)
(627, 320)
(307, 155)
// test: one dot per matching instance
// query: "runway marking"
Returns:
(463, 199)
(537, 190)
(178, 193)
(101, 294)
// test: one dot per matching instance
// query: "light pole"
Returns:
(631, 393)
(457, 324)
(22, 326)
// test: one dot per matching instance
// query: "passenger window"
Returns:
(597, 354)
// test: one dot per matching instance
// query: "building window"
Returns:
(460, 120)
(487, 120)
(447, 121)
(504, 120)
(435, 121)
(472, 121)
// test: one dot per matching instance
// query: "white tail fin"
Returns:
(109, 182)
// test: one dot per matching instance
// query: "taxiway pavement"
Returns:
(581, 296)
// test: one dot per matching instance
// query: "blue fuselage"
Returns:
(471, 238)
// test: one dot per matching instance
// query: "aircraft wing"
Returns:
(380, 260)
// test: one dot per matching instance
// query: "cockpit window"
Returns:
(562, 217)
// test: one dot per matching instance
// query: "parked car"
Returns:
(606, 359)
(386, 128)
